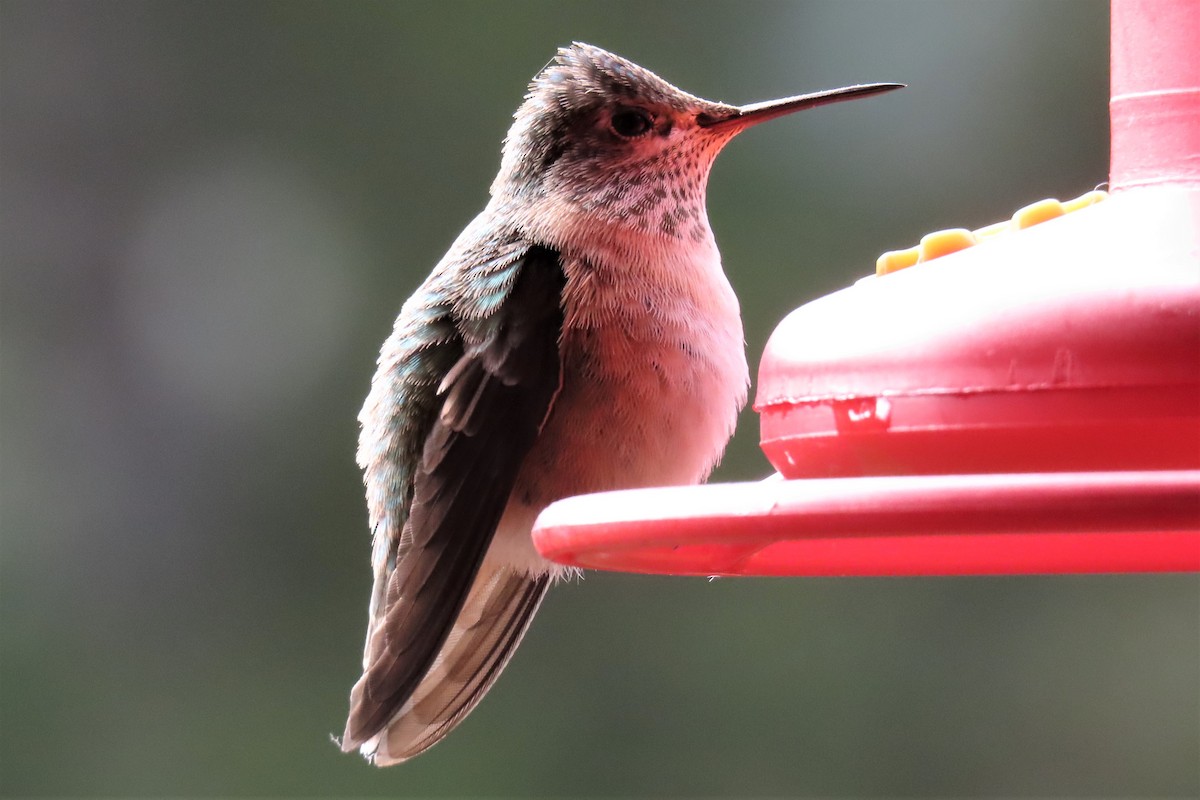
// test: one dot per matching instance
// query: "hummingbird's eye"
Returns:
(631, 122)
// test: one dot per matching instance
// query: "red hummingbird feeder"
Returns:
(1023, 399)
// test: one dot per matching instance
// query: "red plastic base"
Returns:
(1068, 347)
(921, 525)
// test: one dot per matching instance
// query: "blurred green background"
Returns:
(211, 213)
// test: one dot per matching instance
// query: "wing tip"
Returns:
(370, 750)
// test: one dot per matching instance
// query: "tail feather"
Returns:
(493, 619)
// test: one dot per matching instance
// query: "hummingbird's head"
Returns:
(614, 140)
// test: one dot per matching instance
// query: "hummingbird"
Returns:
(579, 336)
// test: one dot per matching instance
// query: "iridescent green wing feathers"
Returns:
(473, 368)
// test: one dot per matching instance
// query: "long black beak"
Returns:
(745, 116)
